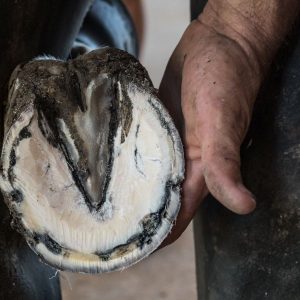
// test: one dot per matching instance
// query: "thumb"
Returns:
(223, 179)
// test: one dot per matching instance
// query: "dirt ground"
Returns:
(168, 274)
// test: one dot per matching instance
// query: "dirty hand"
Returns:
(209, 87)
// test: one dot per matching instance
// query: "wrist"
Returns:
(258, 27)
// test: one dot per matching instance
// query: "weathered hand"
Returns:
(218, 83)
(210, 86)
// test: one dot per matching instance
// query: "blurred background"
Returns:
(168, 274)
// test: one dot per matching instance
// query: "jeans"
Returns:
(258, 256)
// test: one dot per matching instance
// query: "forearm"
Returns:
(258, 26)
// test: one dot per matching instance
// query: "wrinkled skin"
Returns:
(209, 87)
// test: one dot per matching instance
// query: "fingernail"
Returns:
(245, 190)
(253, 199)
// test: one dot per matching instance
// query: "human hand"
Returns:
(209, 87)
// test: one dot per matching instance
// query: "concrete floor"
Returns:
(168, 274)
